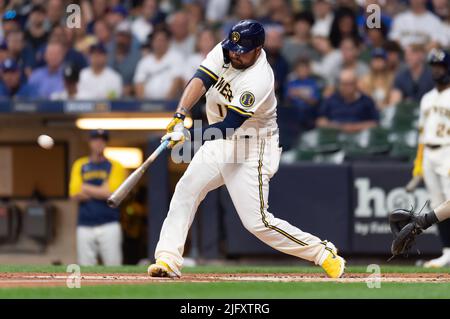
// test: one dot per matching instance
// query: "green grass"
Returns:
(250, 290)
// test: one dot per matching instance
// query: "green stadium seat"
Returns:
(318, 141)
(406, 116)
(370, 142)
(404, 145)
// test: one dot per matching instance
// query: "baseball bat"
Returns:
(124, 189)
(413, 183)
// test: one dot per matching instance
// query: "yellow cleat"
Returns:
(334, 265)
(161, 269)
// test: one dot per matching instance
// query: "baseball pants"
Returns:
(436, 174)
(245, 167)
(103, 240)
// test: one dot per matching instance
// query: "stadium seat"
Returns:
(405, 116)
(366, 144)
(320, 141)
(404, 145)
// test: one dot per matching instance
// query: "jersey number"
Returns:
(221, 112)
(442, 130)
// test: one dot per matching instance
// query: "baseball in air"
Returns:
(45, 141)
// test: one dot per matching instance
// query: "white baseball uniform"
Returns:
(434, 125)
(244, 165)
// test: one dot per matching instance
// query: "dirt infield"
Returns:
(61, 279)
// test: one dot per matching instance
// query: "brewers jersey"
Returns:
(249, 92)
(434, 121)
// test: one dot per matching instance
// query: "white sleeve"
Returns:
(140, 74)
(251, 96)
(118, 85)
(395, 29)
(213, 62)
(83, 86)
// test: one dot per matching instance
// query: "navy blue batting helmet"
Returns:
(438, 56)
(244, 36)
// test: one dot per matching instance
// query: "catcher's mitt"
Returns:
(405, 226)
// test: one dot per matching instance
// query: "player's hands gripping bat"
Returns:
(178, 136)
(119, 195)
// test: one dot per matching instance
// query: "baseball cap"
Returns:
(98, 47)
(3, 46)
(9, 65)
(124, 27)
(99, 134)
(120, 10)
(71, 73)
(379, 53)
(10, 15)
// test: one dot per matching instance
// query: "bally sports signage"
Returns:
(379, 189)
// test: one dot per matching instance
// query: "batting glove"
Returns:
(178, 118)
(178, 136)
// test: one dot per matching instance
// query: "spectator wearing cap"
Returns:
(299, 44)
(418, 25)
(115, 16)
(37, 29)
(159, 75)
(13, 83)
(303, 93)
(71, 75)
(182, 40)
(150, 16)
(92, 180)
(414, 79)
(49, 79)
(348, 109)
(323, 16)
(98, 81)
(394, 54)
(378, 82)
(124, 55)
(273, 46)
(10, 22)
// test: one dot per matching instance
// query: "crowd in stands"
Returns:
(331, 63)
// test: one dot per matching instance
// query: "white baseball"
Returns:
(45, 141)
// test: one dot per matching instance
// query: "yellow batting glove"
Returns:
(178, 118)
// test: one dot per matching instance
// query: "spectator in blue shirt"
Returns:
(415, 79)
(13, 83)
(348, 109)
(304, 92)
(20, 51)
(49, 79)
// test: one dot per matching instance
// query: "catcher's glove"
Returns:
(405, 226)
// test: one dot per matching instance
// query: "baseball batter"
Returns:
(433, 156)
(240, 151)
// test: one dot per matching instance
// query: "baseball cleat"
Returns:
(161, 269)
(440, 262)
(334, 265)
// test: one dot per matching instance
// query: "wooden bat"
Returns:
(124, 189)
(413, 183)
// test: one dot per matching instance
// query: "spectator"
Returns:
(323, 16)
(280, 66)
(300, 43)
(94, 11)
(378, 82)
(418, 25)
(329, 58)
(196, 15)
(415, 79)
(124, 55)
(10, 22)
(71, 75)
(55, 12)
(20, 51)
(343, 26)
(216, 10)
(366, 16)
(442, 9)
(115, 16)
(182, 41)
(49, 79)
(348, 110)
(206, 40)
(36, 31)
(375, 39)
(159, 75)
(102, 32)
(303, 93)
(92, 181)
(150, 16)
(98, 81)
(13, 84)
(243, 9)
(350, 50)
(394, 55)
(277, 12)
